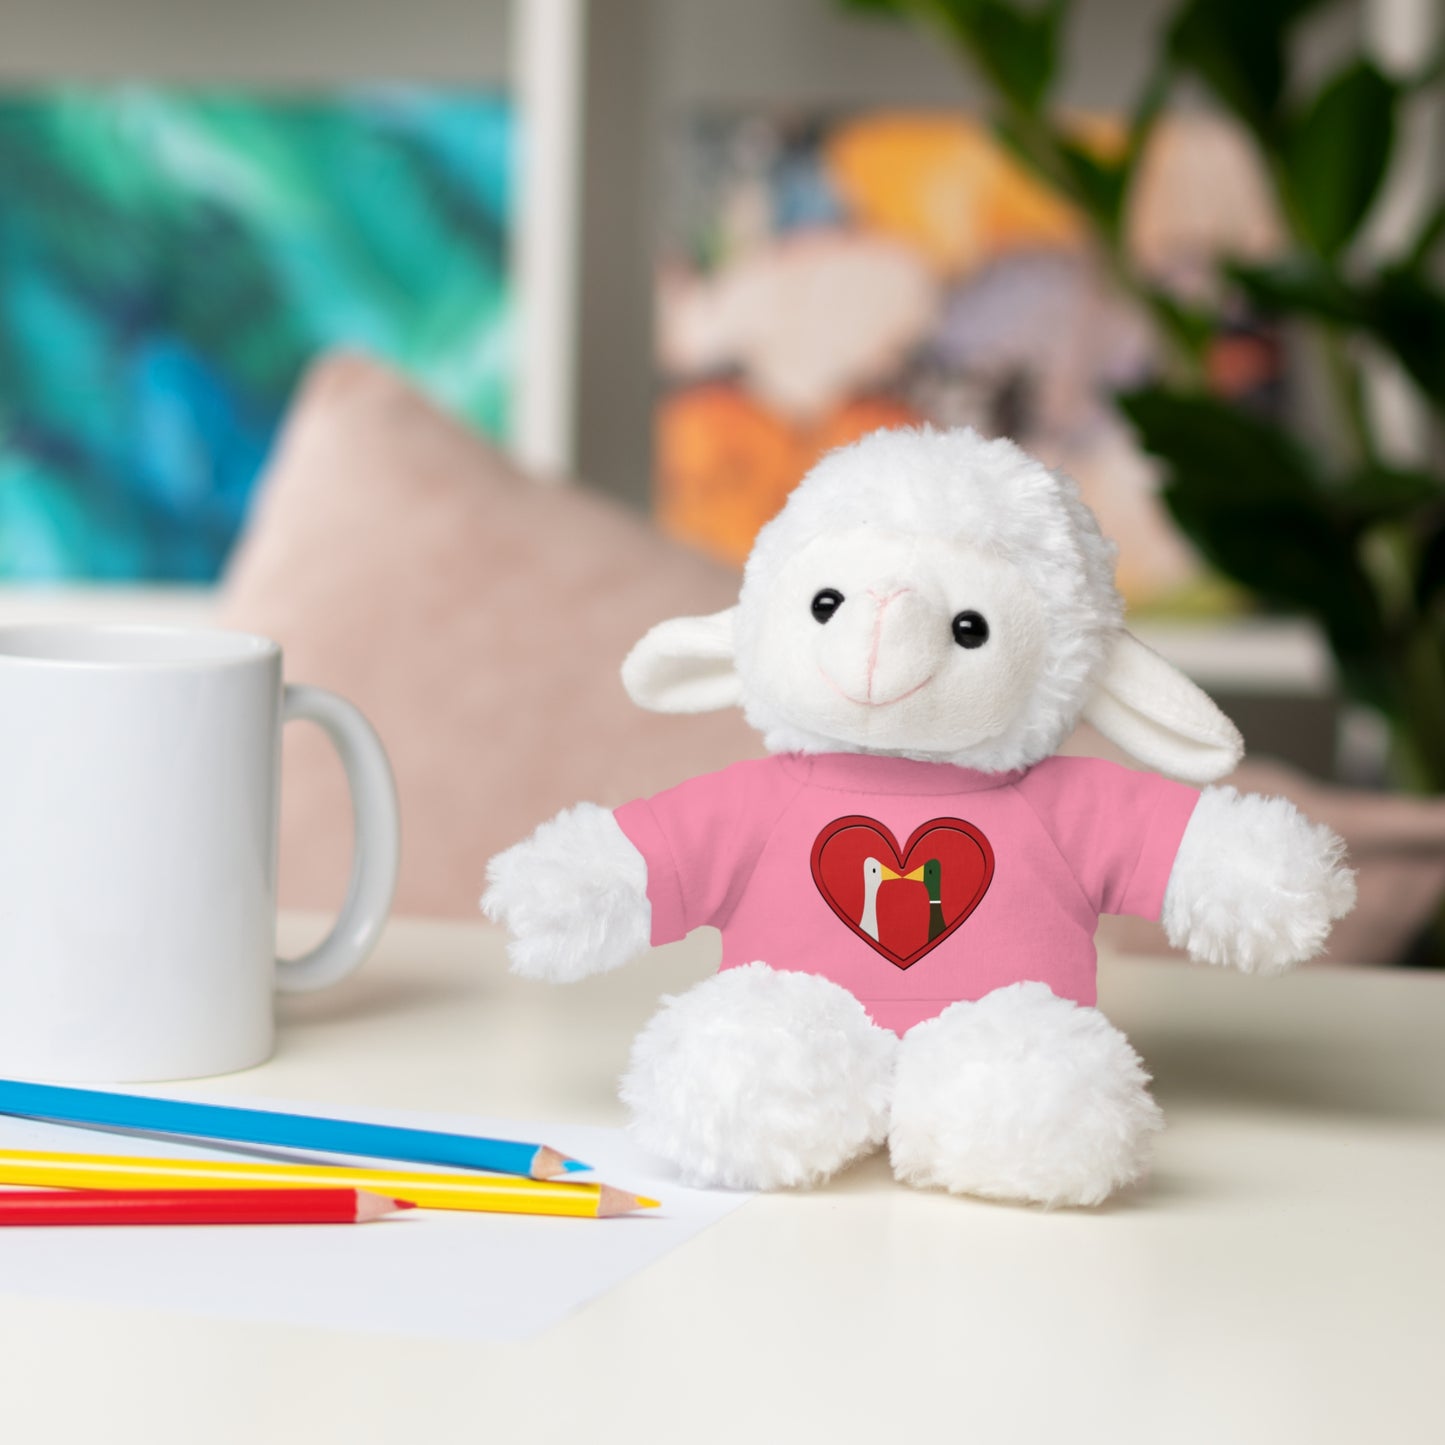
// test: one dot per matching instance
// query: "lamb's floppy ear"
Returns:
(685, 665)
(1152, 711)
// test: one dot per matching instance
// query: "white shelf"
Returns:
(1274, 656)
(178, 606)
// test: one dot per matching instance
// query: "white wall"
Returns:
(282, 41)
(812, 53)
(647, 64)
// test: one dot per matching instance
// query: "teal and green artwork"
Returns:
(171, 260)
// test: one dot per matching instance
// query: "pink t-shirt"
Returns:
(910, 884)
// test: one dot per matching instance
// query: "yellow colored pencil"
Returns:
(491, 1193)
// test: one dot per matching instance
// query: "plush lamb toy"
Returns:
(908, 886)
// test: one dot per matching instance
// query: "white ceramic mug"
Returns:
(139, 790)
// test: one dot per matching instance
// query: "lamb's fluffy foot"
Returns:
(1021, 1096)
(760, 1079)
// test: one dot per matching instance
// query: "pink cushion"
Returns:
(477, 618)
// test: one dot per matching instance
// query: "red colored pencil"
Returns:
(194, 1206)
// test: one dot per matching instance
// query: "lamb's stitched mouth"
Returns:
(865, 702)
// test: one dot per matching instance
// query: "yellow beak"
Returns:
(916, 875)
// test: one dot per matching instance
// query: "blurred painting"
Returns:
(823, 277)
(171, 260)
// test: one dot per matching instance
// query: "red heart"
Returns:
(902, 911)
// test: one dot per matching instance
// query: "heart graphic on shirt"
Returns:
(903, 902)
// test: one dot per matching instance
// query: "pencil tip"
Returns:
(612, 1201)
(548, 1163)
(377, 1206)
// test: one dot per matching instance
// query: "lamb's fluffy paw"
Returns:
(1255, 883)
(760, 1079)
(1021, 1096)
(573, 896)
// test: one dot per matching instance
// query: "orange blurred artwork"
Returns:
(730, 462)
(944, 185)
(825, 276)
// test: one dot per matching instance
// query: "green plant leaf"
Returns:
(1192, 327)
(1288, 555)
(1097, 185)
(1428, 238)
(1253, 502)
(1407, 312)
(1401, 308)
(1016, 46)
(1303, 286)
(1380, 493)
(1238, 48)
(1430, 577)
(1336, 154)
(1240, 458)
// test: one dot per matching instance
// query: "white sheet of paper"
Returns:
(422, 1273)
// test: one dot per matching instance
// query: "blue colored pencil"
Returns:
(102, 1110)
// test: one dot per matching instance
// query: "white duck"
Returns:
(873, 875)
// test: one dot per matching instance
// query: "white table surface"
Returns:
(1281, 1279)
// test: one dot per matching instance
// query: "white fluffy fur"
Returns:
(1021, 1096)
(767, 1079)
(760, 1079)
(573, 897)
(949, 485)
(911, 528)
(1157, 715)
(885, 673)
(1255, 883)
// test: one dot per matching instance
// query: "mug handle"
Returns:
(377, 847)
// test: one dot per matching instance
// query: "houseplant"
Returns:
(1319, 521)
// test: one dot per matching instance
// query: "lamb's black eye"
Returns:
(969, 629)
(826, 603)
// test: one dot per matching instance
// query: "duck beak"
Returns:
(916, 876)
(887, 872)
